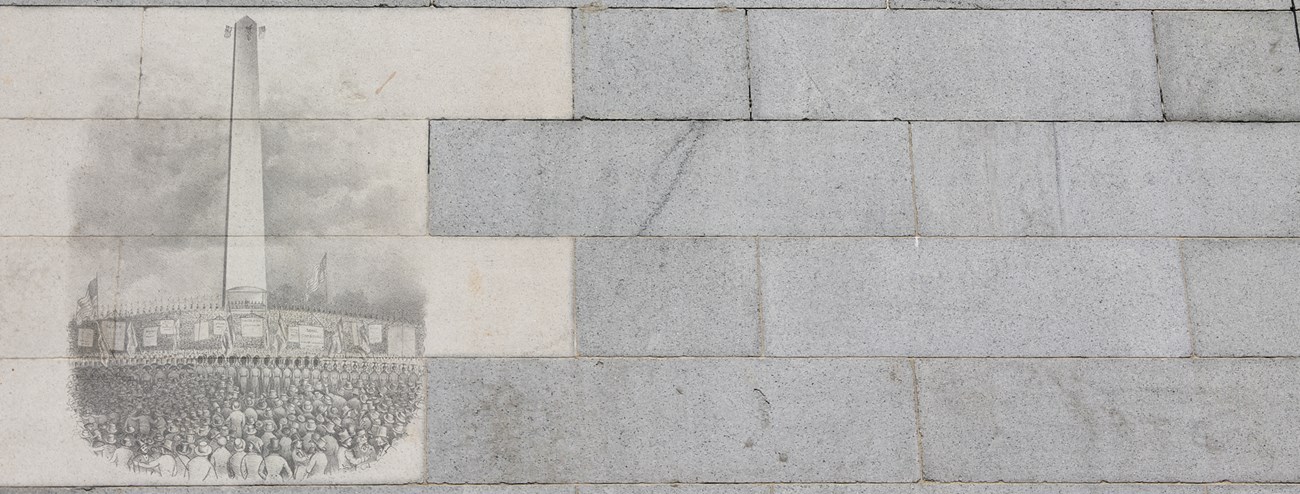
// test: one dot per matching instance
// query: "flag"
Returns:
(317, 282)
(86, 306)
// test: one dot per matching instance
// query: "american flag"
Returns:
(86, 305)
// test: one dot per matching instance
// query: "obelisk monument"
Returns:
(245, 270)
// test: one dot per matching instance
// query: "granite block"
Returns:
(667, 297)
(1110, 420)
(979, 297)
(660, 64)
(669, 178)
(951, 65)
(1238, 66)
(598, 420)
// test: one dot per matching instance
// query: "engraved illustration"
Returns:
(302, 366)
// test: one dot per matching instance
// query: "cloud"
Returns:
(151, 178)
(353, 178)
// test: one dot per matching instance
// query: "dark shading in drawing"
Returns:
(247, 384)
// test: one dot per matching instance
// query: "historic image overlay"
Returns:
(253, 384)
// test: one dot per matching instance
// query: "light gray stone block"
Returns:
(223, 3)
(169, 177)
(1094, 4)
(70, 63)
(670, 420)
(669, 297)
(986, 179)
(669, 178)
(1229, 65)
(1244, 296)
(44, 278)
(1184, 179)
(676, 4)
(946, 65)
(1115, 420)
(973, 297)
(660, 64)
(366, 63)
(314, 489)
(937, 488)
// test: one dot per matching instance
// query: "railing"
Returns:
(160, 307)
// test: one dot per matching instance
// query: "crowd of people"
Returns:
(245, 418)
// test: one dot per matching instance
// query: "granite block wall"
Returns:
(712, 246)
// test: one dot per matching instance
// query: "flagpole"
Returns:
(95, 313)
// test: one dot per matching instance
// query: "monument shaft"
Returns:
(245, 269)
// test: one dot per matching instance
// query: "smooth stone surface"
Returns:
(668, 297)
(1241, 66)
(493, 297)
(1244, 296)
(986, 178)
(913, 488)
(949, 65)
(44, 277)
(224, 3)
(75, 177)
(102, 177)
(318, 489)
(973, 297)
(477, 296)
(69, 62)
(1114, 420)
(660, 64)
(345, 177)
(365, 63)
(43, 447)
(669, 178)
(1094, 4)
(671, 420)
(1179, 179)
(480, 297)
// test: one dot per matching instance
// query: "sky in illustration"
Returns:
(163, 184)
(168, 177)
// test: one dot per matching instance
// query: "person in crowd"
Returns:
(275, 467)
(200, 467)
(220, 459)
(198, 419)
(156, 462)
